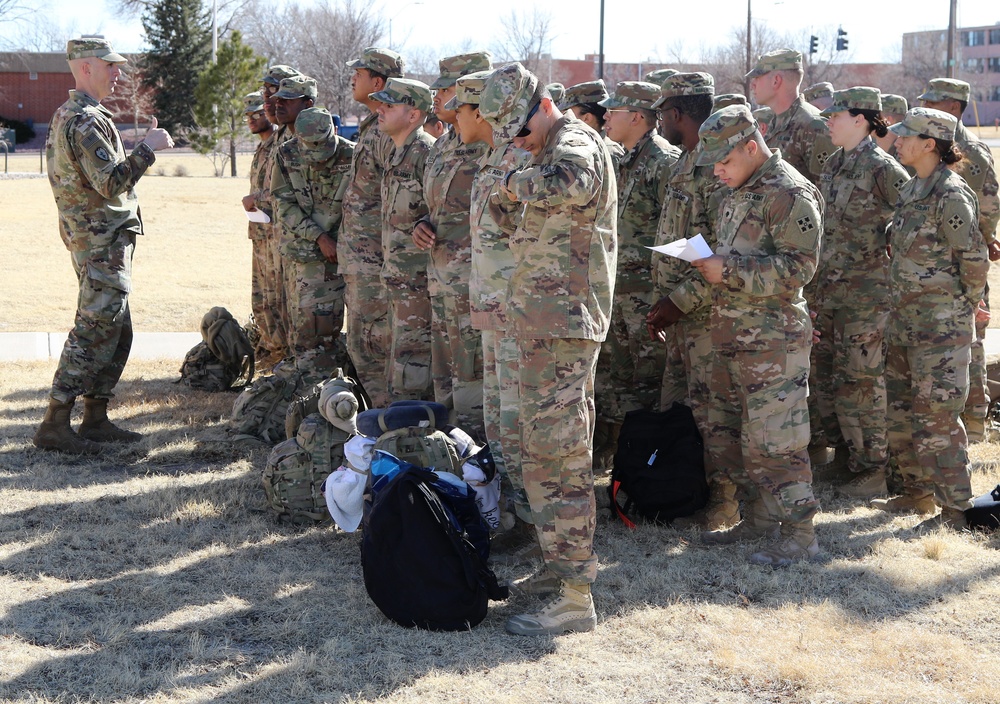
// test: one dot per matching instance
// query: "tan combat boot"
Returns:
(836, 470)
(570, 610)
(97, 427)
(56, 434)
(540, 583)
(756, 524)
(910, 502)
(604, 458)
(865, 485)
(721, 510)
(948, 518)
(798, 542)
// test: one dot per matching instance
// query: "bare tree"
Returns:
(132, 100)
(727, 62)
(525, 37)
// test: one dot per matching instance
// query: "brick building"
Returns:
(33, 85)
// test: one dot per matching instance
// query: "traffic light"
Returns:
(841, 39)
(813, 44)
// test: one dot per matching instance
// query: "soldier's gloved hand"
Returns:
(328, 247)
(711, 268)
(423, 235)
(157, 138)
(994, 249)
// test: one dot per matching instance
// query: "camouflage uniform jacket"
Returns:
(566, 247)
(448, 177)
(308, 185)
(260, 184)
(643, 175)
(691, 208)
(616, 151)
(359, 247)
(769, 233)
(93, 183)
(492, 261)
(803, 138)
(403, 205)
(939, 262)
(978, 170)
(860, 189)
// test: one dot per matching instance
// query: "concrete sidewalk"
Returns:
(15, 346)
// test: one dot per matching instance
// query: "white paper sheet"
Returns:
(689, 250)
(257, 216)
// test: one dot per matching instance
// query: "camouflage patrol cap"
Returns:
(763, 115)
(384, 61)
(314, 125)
(296, 87)
(777, 60)
(893, 104)
(686, 84)
(722, 131)
(405, 91)
(927, 121)
(462, 65)
(724, 100)
(946, 89)
(557, 91)
(581, 93)
(507, 98)
(856, 98)
(659, 75)
(818, 90)
(274, 75)
(99, 47)
(468, 90)
(253, 102)
(633, 94)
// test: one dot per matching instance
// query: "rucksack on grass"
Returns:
(260, 409)
(659, 467)
(224, 359)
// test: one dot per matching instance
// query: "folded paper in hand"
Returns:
(689, 250)
(257, 215)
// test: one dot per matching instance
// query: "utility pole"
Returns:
(600, 51)
(746, 81)
(951, 38)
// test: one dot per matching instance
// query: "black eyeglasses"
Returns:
(525, 131)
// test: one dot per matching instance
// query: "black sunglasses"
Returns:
(525, 131)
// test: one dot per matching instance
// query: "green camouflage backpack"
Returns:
(308, 402)
(428, 448)
(260, 409)
(224, 359)
(297, 468)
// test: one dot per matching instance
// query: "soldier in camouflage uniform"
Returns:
(267, 352)
(938, 272)
(768, 232)
(491, 268)
(359, 248)
(558, 307)
(894, 109)
(403, 105)
(724, 100)
(456, 348)
(860, 184)
(583, 100)
(952, 97)
(308, 185)
(93, 182)
(819, 95)
(630, 365)
(799, 132)
(557, 91)
(680, 314)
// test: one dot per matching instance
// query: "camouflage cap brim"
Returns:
(714, 156)
(934, 96)
(826, 112)
(453, 104)
(286, 94)
(111, 57)
(443, 82)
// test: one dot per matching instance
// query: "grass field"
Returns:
(153, 573)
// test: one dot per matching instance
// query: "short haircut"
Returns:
(697, 107)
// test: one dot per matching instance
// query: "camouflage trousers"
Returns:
(687, 376)
(408, 367)
(315, 295)
(368, 333)
(978, 403)
(849, 382)
(457, 362)
(501, 412)
(759, 428)
(927, 386)
(630, 365)
(267, 298)
(97, 348)
(556, 383)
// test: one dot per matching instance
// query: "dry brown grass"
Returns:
(151, 574)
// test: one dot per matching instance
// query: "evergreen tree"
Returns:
(178, 33)
(218, 99)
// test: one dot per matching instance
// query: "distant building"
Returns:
(977, 60)
(33, 85)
